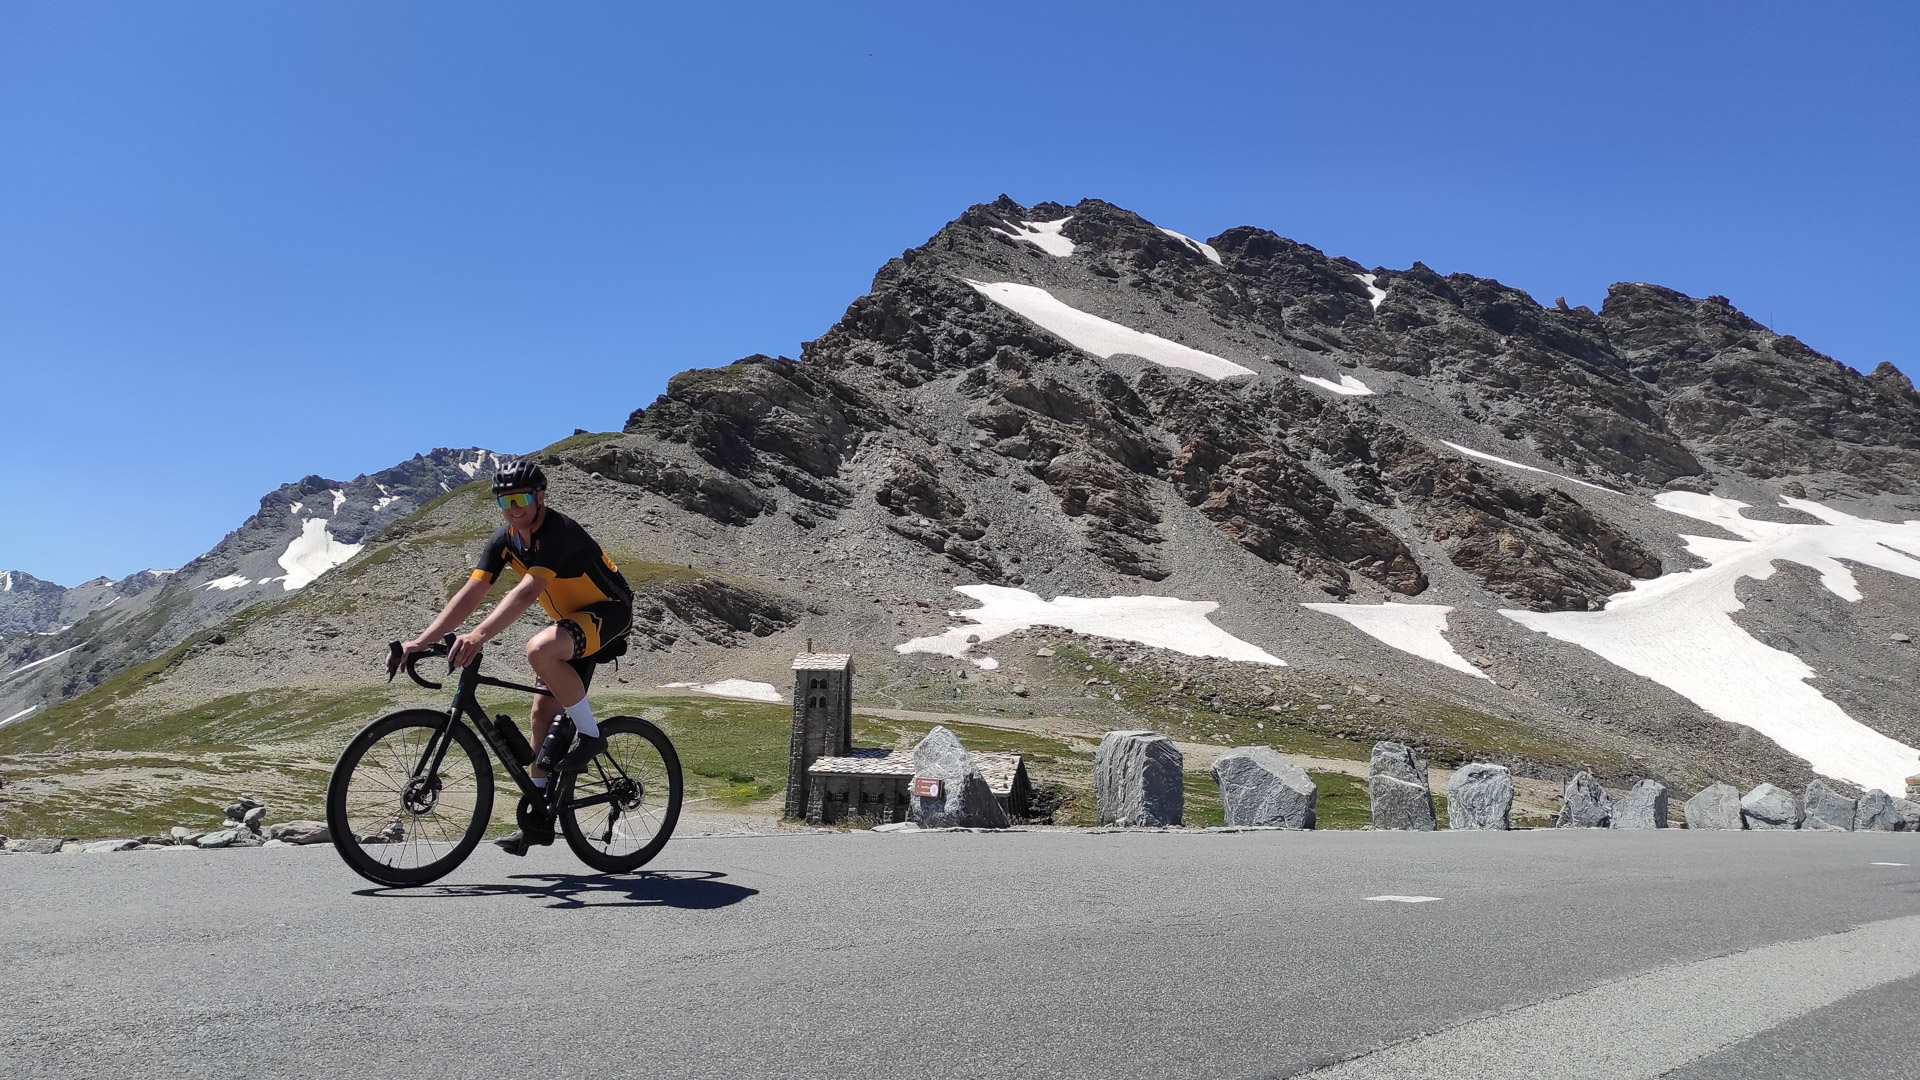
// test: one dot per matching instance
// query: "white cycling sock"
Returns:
(539, 782)
(583, 721)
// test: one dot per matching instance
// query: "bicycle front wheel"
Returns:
(619, 812)
(396, 816)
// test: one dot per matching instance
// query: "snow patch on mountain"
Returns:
(21, 715)
(1204, 249)
(231, 581)
(1484, 456)
(1678, 630)
(1044, 235)
(739, 689)
(1099, 336)
(1160, 622)
(1375, 294)
(1416, 629)
(42, 660)
(312, 553)
(1348, 385)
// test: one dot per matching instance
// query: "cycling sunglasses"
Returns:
(514, 498)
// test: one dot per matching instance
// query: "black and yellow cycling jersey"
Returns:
(581, 580)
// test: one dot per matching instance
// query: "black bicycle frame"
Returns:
(466, 704)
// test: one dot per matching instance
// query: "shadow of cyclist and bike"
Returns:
(695, 890)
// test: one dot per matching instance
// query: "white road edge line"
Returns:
(1405, 899)
(1644, 1026)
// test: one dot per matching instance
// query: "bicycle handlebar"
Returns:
(397, 657)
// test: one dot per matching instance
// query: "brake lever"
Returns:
(396, 655)
(447, 643)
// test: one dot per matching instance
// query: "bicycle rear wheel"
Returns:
(394, 819)
(620, 811)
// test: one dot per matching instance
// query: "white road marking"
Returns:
(1647, 1025)
(1888, 864)
(1405, 899)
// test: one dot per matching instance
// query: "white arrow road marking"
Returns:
(1405, 899)
(1647, 1025)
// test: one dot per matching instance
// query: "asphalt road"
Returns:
(1036, 954)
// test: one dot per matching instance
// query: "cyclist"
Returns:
(582, 591)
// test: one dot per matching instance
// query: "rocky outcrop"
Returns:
(1251, 485)
(1644, 806)
(721, 611)
(1530, 543)
(1770, 807)
(698, 488)
(765, 420)
(1259, 787)
(1137, 780)
(1717, 807)
(935, 516)
(1480, 796)
(1586, 804)
(1398, 789)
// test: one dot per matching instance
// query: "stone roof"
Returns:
(996, 768)
(823, 661)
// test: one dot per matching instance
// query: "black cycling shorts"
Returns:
(593, 629)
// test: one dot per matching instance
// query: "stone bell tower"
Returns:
(822, 718)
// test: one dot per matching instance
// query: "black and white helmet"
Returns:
(519, 476)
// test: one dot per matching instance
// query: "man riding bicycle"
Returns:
(591, 605)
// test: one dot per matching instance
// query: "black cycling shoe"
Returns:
(519, 840)
(582, 754)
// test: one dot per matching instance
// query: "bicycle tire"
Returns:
(644, 822)
(390, 748)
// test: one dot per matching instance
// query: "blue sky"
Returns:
(244, 242)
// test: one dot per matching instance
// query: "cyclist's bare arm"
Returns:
(511, 606)
(458, 608)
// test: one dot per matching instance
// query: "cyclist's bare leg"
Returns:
(548, 652)
(545, 711)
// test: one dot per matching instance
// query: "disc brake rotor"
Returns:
(421, 795)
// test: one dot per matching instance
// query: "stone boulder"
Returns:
(1138, 780)
(1259, 787)
(220, 839)
(183, 835)
(1909, 812)
(1586, 805)
(252, 818)
(1770, 807)
(1644, 806)
(1828, 809)
(299, 832)
(1397, 787)
(46, 845)
(1875, 812)
(102, 847)
(965, 801)
(1718, 807)
(1480, 796)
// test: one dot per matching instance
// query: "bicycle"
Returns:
(412, 793)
